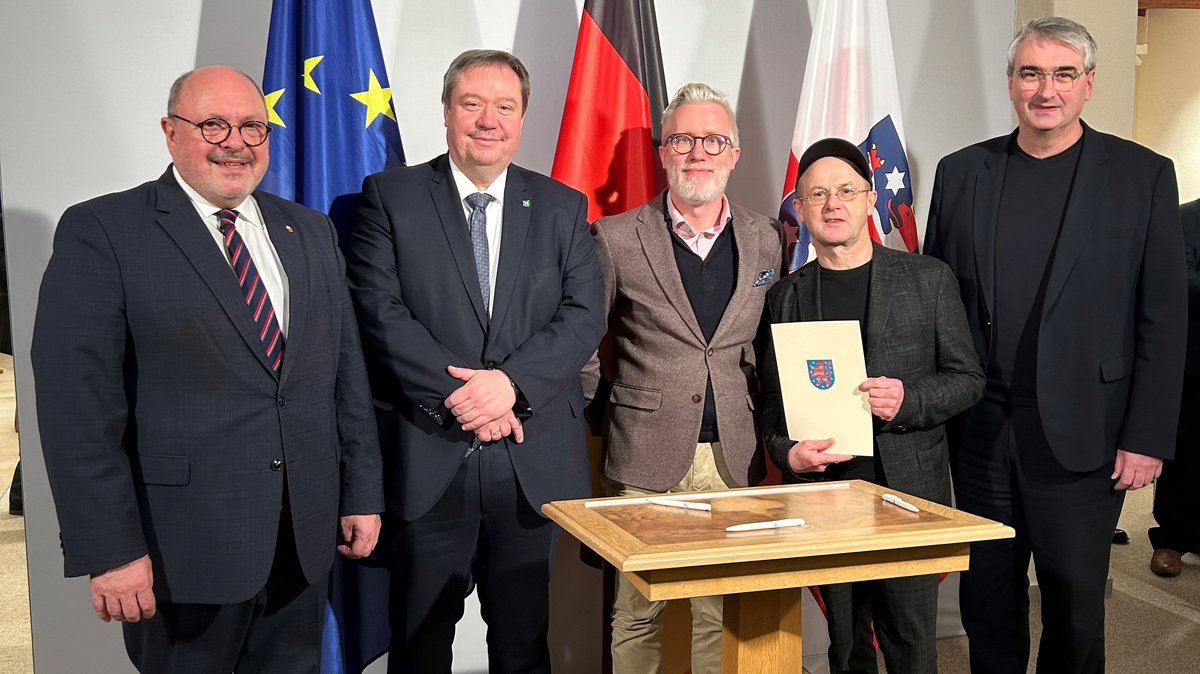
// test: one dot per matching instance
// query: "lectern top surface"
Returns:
(839, 517)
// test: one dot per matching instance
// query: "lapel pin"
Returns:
(764, 277)
(525, 203)
(289, 229)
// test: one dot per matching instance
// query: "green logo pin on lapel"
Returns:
(525, 203)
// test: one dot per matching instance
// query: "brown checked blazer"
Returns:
(661, 361)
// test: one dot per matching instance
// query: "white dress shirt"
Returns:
(253, 231)
(495, 220)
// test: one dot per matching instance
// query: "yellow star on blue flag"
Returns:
(378, 100)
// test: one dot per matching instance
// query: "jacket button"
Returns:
(277, 465)
(710, 352)
(282, 401)
(696, 398)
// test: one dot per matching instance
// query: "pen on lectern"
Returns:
(897, 501)
(771, 524)
(689, 505)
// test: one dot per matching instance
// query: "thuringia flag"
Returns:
(850, 91)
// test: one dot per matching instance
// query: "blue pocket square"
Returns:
(764, 277)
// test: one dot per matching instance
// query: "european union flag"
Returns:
(328, 103)
(330, 109)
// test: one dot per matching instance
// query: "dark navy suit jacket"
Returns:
(420, 308)
(161, 420)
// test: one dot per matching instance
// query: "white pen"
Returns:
(689, 505)
(897, 501)
(771, 524)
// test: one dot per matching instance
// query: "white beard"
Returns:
(697, 191)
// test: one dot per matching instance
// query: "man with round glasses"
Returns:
(685, 276)
(922, 371)
(202, 400)
(1067, 246)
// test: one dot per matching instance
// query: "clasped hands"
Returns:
(884, 396)
(484, 404)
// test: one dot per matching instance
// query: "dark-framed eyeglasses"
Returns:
(845, 194)
(1064, 79)
(714, 143)
(216, 130)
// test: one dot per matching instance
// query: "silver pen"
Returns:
(689, 505)
(897, 501)
(771, 524)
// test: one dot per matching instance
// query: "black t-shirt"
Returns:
(1032, 203)
(844, 294)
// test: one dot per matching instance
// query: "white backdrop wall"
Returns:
(83, 85)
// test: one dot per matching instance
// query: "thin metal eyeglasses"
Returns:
(216, 130)
(844, 195)
(714, 143)
(1032, 79)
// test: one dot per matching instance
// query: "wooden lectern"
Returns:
(850, 533)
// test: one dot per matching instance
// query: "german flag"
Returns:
(608, 142)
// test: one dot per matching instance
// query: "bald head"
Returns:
(178, 85)
(223, 172)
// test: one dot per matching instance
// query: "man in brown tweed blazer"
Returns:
(685, 278)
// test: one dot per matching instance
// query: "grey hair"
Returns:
(477, 58)
(699, 92)
(178, 84)
(1058, 29)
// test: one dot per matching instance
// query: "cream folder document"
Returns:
(821, 365)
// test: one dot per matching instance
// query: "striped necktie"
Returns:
(253, 290)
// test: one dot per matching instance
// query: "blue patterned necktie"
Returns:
(253, 290)
(478, 225)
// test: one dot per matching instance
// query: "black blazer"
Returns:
(1111, 346)
(413, 280)
(161, 420)
(917, 333)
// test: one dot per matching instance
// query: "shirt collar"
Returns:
(685, 231)
(466, 187)
(247, 210)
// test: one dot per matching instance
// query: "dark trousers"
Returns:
(1005, 471)
(1176, 501)
(482, 531)
(904, 614)
(276, 631)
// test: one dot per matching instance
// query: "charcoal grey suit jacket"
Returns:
(917, 333)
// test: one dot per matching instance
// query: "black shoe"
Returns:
(16, 495)
(1120, 537)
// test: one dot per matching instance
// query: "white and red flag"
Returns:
(850, 91)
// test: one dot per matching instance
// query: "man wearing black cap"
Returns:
(923, 370)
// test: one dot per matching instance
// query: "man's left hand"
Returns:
(885, 396)
(486, 395)
(361, 533)
(1134, 471)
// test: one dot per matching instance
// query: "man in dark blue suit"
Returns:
(478, 296)
(1067, 248)
(204, 408)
